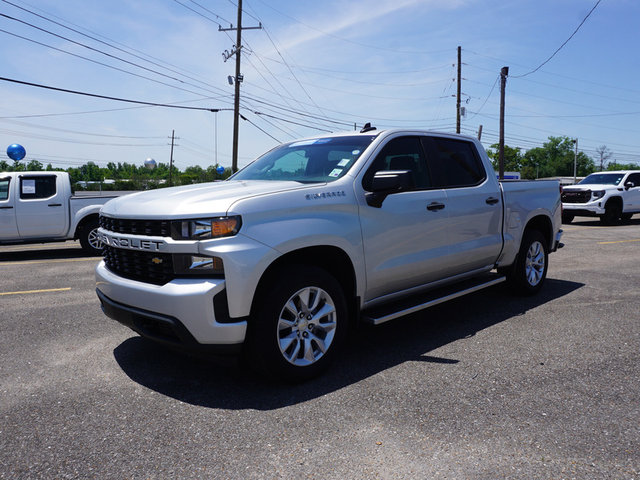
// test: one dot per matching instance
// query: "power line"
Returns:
(263, 131)
(107, 44)
(105, 97)
(561, 46)
(115, 57)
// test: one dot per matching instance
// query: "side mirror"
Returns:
(385, 183)
(629, 185)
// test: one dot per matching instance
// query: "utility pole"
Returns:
(238, 80)
(458, 99)
(504, 73)
(575, 163)
(173, 136)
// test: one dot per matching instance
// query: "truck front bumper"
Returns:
(185, 313)
(590, 209)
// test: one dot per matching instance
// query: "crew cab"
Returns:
(611, 196)
(39, 207)
(285, 256)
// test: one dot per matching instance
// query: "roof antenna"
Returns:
(367, 128)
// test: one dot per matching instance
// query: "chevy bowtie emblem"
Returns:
(156, 260)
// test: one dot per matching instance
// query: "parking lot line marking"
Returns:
(619, 241)
(24, 292)
(31, 262)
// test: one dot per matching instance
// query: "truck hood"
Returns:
(582, 188)
(192, 201)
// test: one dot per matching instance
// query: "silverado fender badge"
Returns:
(316, 196)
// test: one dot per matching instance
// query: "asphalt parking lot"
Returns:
(489, 386)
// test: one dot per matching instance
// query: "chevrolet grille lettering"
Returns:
(130, 243)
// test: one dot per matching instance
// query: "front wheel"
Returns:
(529, 272)
(612, 214)
(89, 239)
(299, 324)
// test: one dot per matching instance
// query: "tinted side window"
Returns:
(37, 187)
(635, 178)
(454, 163)
(4, 188)
(402, 153)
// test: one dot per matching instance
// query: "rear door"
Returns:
(41, 206)
(8, 227)
(474, 202)
(405, 240)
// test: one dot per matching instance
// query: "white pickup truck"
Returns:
(283, 258)
(38, 207)
(612, 196)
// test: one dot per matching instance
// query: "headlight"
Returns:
(597, 194)
(205, 228)
(185, 264)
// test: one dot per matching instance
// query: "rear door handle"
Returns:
(55, 204)
(433, 206)
(492, 200)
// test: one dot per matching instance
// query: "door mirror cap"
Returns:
(629, 185)
(386, 182)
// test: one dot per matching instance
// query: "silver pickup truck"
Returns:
(38, 207)
(292, 251)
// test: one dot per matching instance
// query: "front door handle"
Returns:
(433, 206)
(5, 208)
(492, 200)
(55, 204)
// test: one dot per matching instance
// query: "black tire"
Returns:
(568, 217)
(287, 335)
(88, 236)
(528, 273)
(626, 217)
(612, 214)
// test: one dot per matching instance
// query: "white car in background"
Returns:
(612, 196)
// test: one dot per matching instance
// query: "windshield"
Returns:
(308, 161)
(602, 179)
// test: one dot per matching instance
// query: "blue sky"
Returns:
(314, 67)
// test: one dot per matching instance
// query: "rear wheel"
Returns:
(299, 325)
(89, 239)
(529, 272)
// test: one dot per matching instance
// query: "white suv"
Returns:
(612, 196)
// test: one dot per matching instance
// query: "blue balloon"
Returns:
(220, 170)
(16, 152)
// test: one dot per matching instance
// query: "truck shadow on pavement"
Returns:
(14, 254)
(222, 383)
(594, 222)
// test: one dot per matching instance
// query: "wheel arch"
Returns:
(330, 258)
(83, 222)
(541, 223)
(615, 200)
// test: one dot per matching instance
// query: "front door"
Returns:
(405, 240)
(41, 208)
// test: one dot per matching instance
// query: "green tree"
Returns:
(512, 158)
(34, 165)
(556, 158)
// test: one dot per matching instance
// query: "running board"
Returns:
(415, 303)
